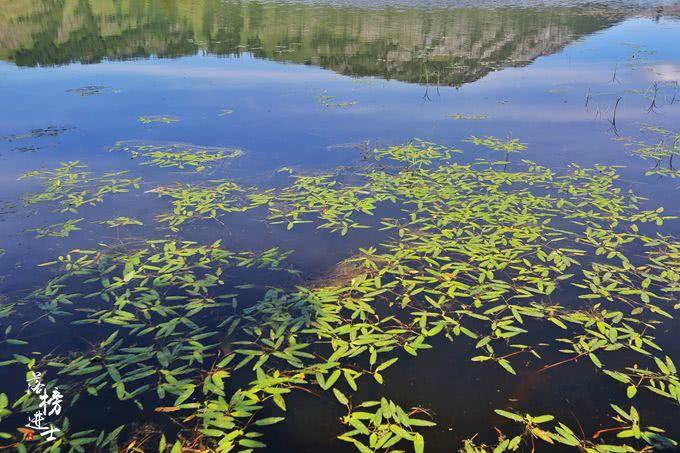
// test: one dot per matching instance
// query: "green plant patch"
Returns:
(60, 230)
(662, 149)
(498, 144)
(160, 119)
(474, 255)
(468, 116)
(177, 155)
(70, 186)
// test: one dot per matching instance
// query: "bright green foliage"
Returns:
(497, 144)
(536, 430)
(337, 206)
(4, 413)
(209, 201)
(71, 186)
(121, 221)
(316, 195)
(147, 304)
(474, 254)
(162, 119)
(132, 282)
(662, 379)
(468, 116)
(485, 238)
(177, 155)
(60, 230)
(417, 153)
(382, 425)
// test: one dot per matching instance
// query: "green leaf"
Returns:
(418, 443)
(269, 421)
(250, 443)
(176, 448)
(542, 419)
(505, 364)
(340, 397)
(510, 415)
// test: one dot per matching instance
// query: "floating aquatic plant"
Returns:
(155, 296)
(497, 144)
(663, 151)
(473, 255)
(4, 412)
(417, 153)
(469, 116)
(210, 201)
(177, 155)
(536, 429)
(70, 186)
(60, 230)
(121, 221)
(162, 119)
(587, 198)
(385, 425)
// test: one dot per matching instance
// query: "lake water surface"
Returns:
(215, 110)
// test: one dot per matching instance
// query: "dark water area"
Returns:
(312, 88)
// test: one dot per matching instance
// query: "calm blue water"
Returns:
(547, 75)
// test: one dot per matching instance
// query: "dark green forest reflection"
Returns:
(448, 46)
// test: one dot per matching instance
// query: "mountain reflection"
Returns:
(447, 46)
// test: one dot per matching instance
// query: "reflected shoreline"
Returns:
(434, 46)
